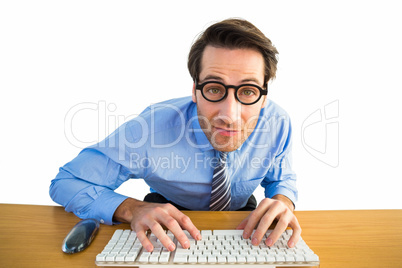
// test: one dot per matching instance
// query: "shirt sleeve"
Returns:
(85, 186)
(280, 178)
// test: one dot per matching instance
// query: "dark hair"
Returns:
(233, 33)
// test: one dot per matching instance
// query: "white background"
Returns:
(120, 56)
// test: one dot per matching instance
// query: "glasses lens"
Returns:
(248, 94)
(214, 91)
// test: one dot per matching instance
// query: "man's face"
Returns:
(228, 123)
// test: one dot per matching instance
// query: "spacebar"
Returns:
(228, 232)
(205, 265)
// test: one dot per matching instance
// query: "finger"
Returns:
(160, 233)
(274, 210)
(263, 225)
(186, 223)
(142, 237)
(280, 227)
(175, 228)
(149, 221)
(171, 219)
(255, 217)
(294, 238)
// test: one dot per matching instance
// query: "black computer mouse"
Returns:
(80, 236)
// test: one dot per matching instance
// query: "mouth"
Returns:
(227, 132)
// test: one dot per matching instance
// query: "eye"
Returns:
(248, 91)
(214, 90)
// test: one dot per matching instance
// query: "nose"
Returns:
(230, 110)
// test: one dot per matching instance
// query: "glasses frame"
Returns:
(200, 87)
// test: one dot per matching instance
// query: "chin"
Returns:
(227, 146)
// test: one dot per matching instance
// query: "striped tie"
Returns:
(220, 194)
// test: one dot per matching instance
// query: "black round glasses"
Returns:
(246, 94)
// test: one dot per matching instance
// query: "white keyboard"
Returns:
(216, 248)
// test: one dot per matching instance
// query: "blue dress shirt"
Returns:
(166, 147)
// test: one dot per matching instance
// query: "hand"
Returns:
(143, 216)
(267, 211)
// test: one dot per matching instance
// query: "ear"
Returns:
(193, 94)
(264, 101)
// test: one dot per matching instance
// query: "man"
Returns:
(207, 152)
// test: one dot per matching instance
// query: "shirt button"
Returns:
(102, 221)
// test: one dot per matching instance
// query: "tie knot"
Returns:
(223, 155)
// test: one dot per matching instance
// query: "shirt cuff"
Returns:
(105, 206)
(286, 192)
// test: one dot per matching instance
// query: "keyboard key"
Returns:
(115, 250)
(110, 257)
(154, 258)
(101, 257)
(206, 232)
(144, 257)
(241, 259)
(180, 258)
(221, 259)
(106, 251)
(164, 257)
(192, 259)
(120, 257)
(289, 258)
(260, 258)
(311, 257)
(299, 258)
(280, 258)
(211, 259)
(231, 259)
(270, 258)
(250, 259)
(228, 232)
(116, 235)
(202, 259)
(184, 251)
(130, 257)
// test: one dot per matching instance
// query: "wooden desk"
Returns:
(31, 236)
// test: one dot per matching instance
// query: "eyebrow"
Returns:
(213, 77)
(217, 78)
